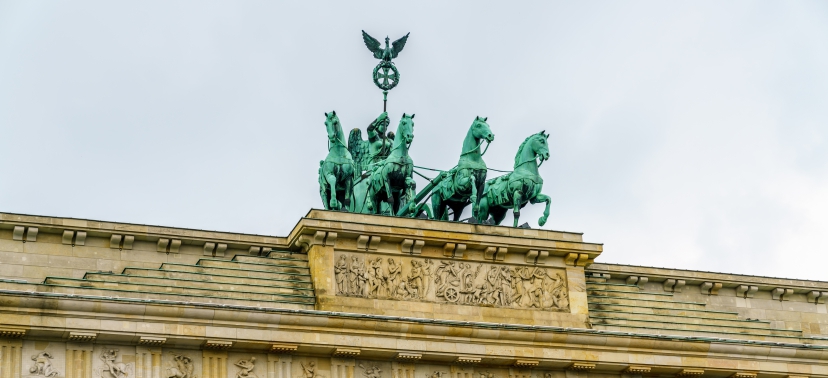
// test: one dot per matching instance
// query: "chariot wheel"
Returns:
(451, 294)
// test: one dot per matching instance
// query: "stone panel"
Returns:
(450, 282)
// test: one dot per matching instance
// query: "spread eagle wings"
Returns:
(376, 47)
(397, 46)
(359, 150)
(372, 45)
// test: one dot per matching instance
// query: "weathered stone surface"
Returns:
(284, 307)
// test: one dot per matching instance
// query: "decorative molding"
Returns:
(639, 281)
(80, 238)
(254, 251)
(581, 366)
(710, 288)
(17, 233)
(578, 259)
(306, 241)
(817, 297)
(214, 249)
(673, 285)
(31, 234)
(115, 241)
(73, 237)
(746, 291)
(152, 341)
(495, 253)
(128, 240)
(373, 245)
(218, 345)
(536, 257)
(743, 374)
(526, 363)
(82, 337)
(208, 248)
(346, 352)
(690, 373)
(409, 246)
(67, 237)
(781, 294)
(168, 246)
(410, 357)
(467, 360)
(283, 348)
(637, 369)
(454, 250)
(362, 242)
(12, 333)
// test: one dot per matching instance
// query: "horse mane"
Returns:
(522, 145)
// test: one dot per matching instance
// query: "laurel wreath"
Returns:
(395, 77)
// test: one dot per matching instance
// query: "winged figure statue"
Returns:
(387, 53)
(376, 148)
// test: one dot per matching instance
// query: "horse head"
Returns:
(405, 130)
(535, 146)
(481, 130)
(334, 128)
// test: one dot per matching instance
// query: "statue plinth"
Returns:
(395, 266)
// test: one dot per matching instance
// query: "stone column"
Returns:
(10, 358)
(78, 360)
(278, 366)
(576, 283)
(342, 367)
(214, 364)
(406, 370)
(320, 249)
(147, 362)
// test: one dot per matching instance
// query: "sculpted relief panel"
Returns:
(457, 282)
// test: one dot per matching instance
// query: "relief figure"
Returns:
(341, 275)
(43, 365)
(113, 368)
(180, 367)
(246, 368)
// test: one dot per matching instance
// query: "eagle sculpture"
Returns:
(387, 53)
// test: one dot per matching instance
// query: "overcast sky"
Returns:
(690, 135)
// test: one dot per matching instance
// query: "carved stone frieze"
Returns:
(450, 281)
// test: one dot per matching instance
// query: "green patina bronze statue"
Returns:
(336, 172)
(386, 75)
(376, 148)
(390, 180)
(466, 180)
(374, 176)
(515, 189)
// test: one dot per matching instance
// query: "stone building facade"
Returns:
(357, 296)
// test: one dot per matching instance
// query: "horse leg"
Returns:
(458, 210)
(482, 211)
(542, 198)
(331, 178)
(349, 186)
(516, 205)
(474, 200)
(437, 205)
(389, 193)
(498, 214)
(323, 192)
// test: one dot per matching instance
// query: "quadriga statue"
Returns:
(464, 182)
(389, 184)
(519, 187)
(336, 172)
